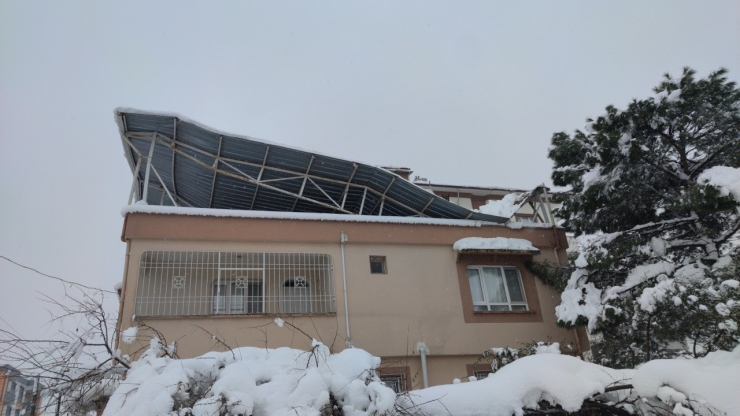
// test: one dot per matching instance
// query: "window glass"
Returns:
(475, 288)
(494, 284)
(496, 289)
(219, 298)
(236, 301)
(512, 283)
(378, 265)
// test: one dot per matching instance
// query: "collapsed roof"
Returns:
(195, 166)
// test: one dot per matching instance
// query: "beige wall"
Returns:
(419, 299)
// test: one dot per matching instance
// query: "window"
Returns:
(241, 296)
(481, 374)
(378, 265)
(193, 283)
(463, 202)
(296, 296)
(496, 288)
(395, 382)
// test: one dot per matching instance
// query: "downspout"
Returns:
(342, 240)
(124, 284)
(423, 351)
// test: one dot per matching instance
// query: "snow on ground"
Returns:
(285, 381)
(560, 379)
(709, 385)
(712, 381)
(495, 243)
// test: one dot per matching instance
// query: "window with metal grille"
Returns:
(395, 382)
(496, 288)
(192, 283)
(481, 374)
(378, 265)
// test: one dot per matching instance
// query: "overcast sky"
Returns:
(460, 92)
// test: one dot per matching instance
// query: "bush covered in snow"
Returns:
(285, 381)
(547, 383)
(253, 381)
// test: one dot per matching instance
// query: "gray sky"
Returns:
(460, 92)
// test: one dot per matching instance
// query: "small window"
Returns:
(481, 374)
(496, 289)
(378, 265)
(395, 382)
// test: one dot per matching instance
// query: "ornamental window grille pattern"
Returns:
(194, 283)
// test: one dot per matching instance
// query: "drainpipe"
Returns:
(342, 240)
(423, 351)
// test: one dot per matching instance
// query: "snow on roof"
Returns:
(305, 216)
(495, 244)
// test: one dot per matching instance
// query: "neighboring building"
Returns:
(20, 395)
(237, 232)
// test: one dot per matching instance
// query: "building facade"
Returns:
(20, 395)
(240, 248)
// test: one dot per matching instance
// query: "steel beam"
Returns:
(149, 167)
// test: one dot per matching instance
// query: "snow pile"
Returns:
(252, 381)
(505, 207)
(559, 379)
(725, 178)
(495, 243)
(706, 385)
(710, 384)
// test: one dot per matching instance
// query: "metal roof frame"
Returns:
(177, 162)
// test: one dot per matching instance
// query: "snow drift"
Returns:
(252, 381)
(285, 381)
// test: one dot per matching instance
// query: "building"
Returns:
(20, 395)
(226, 234)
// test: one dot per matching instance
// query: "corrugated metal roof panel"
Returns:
(213, 170)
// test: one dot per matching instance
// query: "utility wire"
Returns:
(54, 277)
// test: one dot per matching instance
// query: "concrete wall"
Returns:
(423, 297)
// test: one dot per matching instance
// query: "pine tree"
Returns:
(654, 193)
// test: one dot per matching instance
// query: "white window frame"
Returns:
(486, 302)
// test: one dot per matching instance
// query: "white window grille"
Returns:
(190, 283)
(496, 288)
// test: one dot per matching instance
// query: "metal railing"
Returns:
(194, 283)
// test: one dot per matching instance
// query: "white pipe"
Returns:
(423, 351)
(342, 240)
